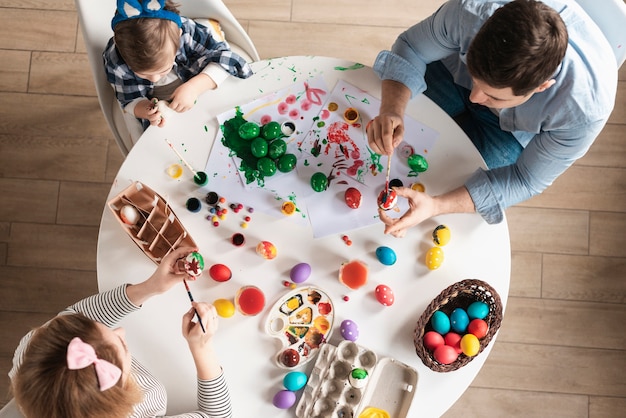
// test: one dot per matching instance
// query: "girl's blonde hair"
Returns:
(142, 41)
(45, 387)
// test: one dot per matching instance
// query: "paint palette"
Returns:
(302, 320)
(155, 229)
(352, 381)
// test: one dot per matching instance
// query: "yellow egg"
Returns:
(224, 307)
(434, 258)
(470, 345)
(441, 235)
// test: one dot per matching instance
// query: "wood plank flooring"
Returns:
(561, 351)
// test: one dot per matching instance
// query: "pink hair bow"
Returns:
(81, 355)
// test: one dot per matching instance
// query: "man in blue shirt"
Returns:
(531, 83)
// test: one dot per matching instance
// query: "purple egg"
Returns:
(300, 272)
(284, 399)
(349, 330)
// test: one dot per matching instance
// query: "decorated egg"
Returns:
(440, 322)
(478, 310)
(286, 163)
(277, 148)
(284, 399)
(266, 166)
(459, 320)
(289, 357)
(478, 327)
(295, 381)
(387, 199)
(258, 147)
(470, 345)
(445, 354)
(384, 295)
(386, 255)
(353, 274)
(441, 235)
(129, 215)
(358, 378)
(220, 273)
(194, 264)
(300, 272)
(417, 163)
(266, 249)
(434, 258)
(250, 300)
(349, 330)
(249, 130)
(271, 130)
(224, 307)
(319, 182)
(433, 340)
(453, 340)
(353, 197)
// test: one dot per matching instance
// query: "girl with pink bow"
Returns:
(78, 364)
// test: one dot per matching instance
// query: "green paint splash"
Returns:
(352, 67)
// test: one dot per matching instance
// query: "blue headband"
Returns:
(135, 9)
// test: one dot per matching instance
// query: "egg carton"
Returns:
(158, 231)
(333, 391)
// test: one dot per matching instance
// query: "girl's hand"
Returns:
(185, 96)
(192, 331)
(146, 109)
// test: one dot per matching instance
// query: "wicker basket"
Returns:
(458, 295)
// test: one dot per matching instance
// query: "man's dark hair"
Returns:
(520, 46)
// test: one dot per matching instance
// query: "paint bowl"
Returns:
(250, 300)
(193, 204)
(201, 178)
(174, 171)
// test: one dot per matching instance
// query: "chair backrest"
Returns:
(610, 16)
(95, 20)
(10, 410)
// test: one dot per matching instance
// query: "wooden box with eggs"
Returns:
(149, 221)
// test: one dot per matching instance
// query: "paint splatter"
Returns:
(352, 67)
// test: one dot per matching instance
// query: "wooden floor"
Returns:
(561, 351)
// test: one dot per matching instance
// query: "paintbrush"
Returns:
(195, 173)
(194, 309)
(388, 172)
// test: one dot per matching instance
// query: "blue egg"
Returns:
(478, 310)
(459, 320)
(386, 255)
(294, 381)
(440, 322)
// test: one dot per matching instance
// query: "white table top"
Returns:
(477, 251)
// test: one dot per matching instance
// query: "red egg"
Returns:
(384, 295)
(478, 327)
(220, 273)
(445, 354)
(432, 340)
(290, 357)
(387, 199)
(353, 197)
(453, 340)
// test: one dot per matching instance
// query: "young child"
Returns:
(78, 365)
(157, 54)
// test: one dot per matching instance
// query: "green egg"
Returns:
(417, 163)
(319, 182)
(258, 147)
(277, 148)
(266, 166)
(271, 130)
(286, 163)
(249, 130)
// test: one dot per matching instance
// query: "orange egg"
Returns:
(478, 327)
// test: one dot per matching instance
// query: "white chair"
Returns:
(10, 410)
(95, 20)
(610, 16)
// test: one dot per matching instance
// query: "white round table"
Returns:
(476, 251)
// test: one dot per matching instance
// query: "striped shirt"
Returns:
(109, 308)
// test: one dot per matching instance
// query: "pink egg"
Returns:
(384, 295)
(453, 340)
(284, 399)
(432, 340)
(445, 354)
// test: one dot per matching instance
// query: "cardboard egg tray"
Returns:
(159, 231)
(330, 392)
